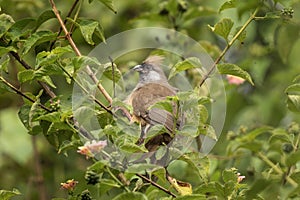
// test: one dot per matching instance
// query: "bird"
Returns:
(151, 88)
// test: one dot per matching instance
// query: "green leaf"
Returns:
(279, 135)
(35, 111)
(223, 28)
(251, 136)
(47, 70)
(230, 175)
(58, 133)
(41, 75)
(228, 4)
(200, 165)
(206, 188)
(35, 130)
(297, 79)
(109, 4)
(21, 28)
(38, 38)
(45, 16)
(140, 168)
(106, 185)
(188, 63)
(293, 89)
(100, 32)
(98, 166)
(48, 58)
(50, 117)
(208, 130)
(292, 158)
(69, 145)
(155, 130)
(296, 177)
(24, 115)
(164, 104)
(192, 197)
(5, 50)
(132, 148)
(7, 195)
(203, 112)
(293, 103)
(48, 80)
(26, 75)
(131, 195)
(242, 36)
(220, 190)
(109, 182)
(83, 61)
(253, 146)
(108, 73)
(119, 103)
(4, 64)
(232, 69)
(88, 27)
(6, 21)
(159, 172)
(156, 194)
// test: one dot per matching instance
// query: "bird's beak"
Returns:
(137, 68)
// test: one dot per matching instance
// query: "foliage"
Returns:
(43, 51)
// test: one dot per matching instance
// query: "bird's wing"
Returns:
(146, 96)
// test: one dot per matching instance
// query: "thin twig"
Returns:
(65, 21)
(113, 76)
(92, 97)
(117, 180)
(78, 53)
(277, 169)
(27, 66)
(22, 94)
(229, 44)
(156, 185)
(53, 95)
(75, 17)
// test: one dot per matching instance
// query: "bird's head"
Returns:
(150, 70)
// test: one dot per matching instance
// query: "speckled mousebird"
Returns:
(153, 87)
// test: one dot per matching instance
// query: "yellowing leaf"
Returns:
(183, 188)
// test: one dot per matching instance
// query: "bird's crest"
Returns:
(154, 60)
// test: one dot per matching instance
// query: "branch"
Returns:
(113, 76)
(53, 95)
(65, 21)
(116, 179)
(156, 185)
(229, 44)
(92, 97)
(73, 45)
(16, 90)
(276, 169)
(27, 66)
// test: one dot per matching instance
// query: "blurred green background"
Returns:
(270, 54)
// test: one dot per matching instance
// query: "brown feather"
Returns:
(149, 91)
(154, 60)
